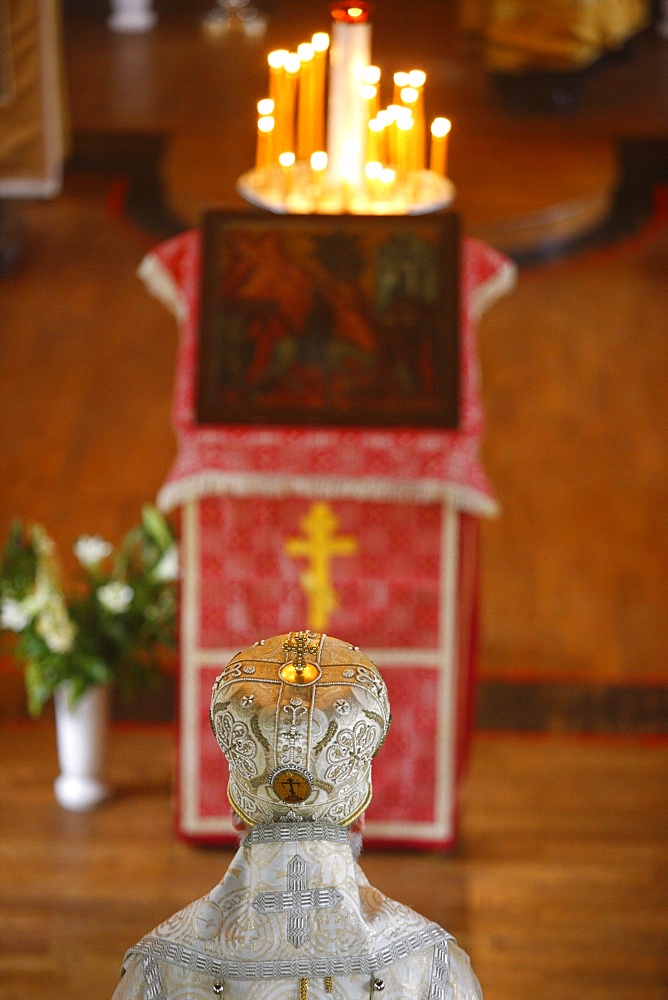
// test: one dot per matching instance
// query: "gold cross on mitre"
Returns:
(300, 670)
(320, 545)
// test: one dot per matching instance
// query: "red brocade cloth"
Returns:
(402, 507)
(416, 463)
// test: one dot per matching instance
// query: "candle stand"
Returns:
(325, 143)
(299, 190)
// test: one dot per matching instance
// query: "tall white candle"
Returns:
(350, 54)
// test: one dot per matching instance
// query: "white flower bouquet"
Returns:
(115, 628)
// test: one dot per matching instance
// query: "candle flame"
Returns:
(373, 170)
(387, 175)
(402, 115)
(305, 51)
(348, 13)
(367, 92)
(265, 106)
(319, 160)
(409, 95)
(371, 75)
(276, 59)
(417, 78)
(320, 41)
(376, 124)
(440, 127)
(287, 159)
(292, 63)
(401, 79)
(265, 124)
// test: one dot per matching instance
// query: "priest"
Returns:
(299, 718)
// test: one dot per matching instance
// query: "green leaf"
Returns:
(157, 527)
(38, 689)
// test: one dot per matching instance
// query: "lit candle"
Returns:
(372, 171)
(276, 61)
(265, 129)
(320, 43)
(371, 77)
(347, 119)
(375, 137)
(288, 102)
(386, 182)
(265, 109)
(305, 114)
(318, 167)
(411, 99)
(417, 79)
(405, 141)
(287, 162)
(390, 114)
(398, 113)
(438, 162)
(368, 93)
(400, 81)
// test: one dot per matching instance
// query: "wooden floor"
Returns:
(558, 887)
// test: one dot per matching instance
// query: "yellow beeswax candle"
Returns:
(265, 129)
(372, 172)
(288, 103)
(318, 168)
(390, 116)
(400, 81)
(371, 77)
(276, 62)
(306, 109)
(410, 98)
(405, 141)
(287, 162)
(438, 161)
(386, 182)
(417, 79)
(320, 43)
(368, 94)
(375, 144)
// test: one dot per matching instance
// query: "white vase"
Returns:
(81, 735)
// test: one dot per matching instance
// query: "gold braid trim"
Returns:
(303, 989)
(329, 984)
(327, 738)
(259, 735)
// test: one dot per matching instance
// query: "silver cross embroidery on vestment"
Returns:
(298, 900)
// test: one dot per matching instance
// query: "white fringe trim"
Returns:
(501, 284)
(17, 187)
(210, 482)
(160, 284)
